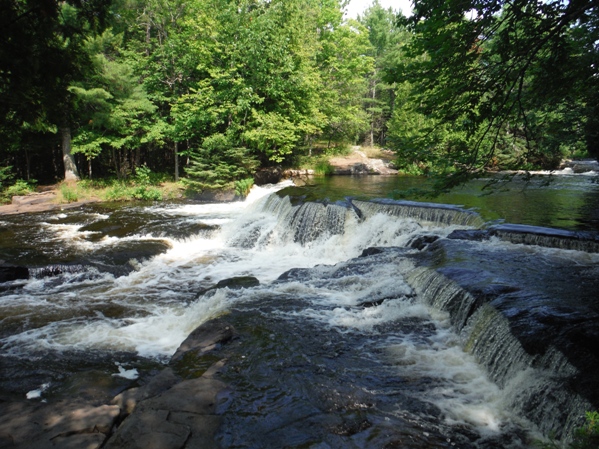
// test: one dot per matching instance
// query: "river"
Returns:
(338, 350)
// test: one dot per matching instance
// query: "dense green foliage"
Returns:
(499, 84)
(212, 90)
(225, 86)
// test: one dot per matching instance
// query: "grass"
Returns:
(20, 187)
(117, 190)
(323, 167)
(373, 152)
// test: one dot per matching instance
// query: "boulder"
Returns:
(178, 408)
(269, 175)
(205, 338)
(234, 283)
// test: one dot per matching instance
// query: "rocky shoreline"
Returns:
(356, 163)
(169, 412)
(39, 202)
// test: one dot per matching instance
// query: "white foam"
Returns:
(156, 334)
(463, 391)
(36, 394)
(125, 373)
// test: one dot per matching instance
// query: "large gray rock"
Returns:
(178, 408)
(65, 424)
(205, 338)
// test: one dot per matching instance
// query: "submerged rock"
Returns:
(234, 283)
(420, 242)
(12, 273)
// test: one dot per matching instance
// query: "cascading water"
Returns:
(355, 336)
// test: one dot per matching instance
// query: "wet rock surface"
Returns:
(178, 408)
(234, 283)
(174, 409)
(13, 273)
(529, 315)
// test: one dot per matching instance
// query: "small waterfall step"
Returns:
(534, 235)
(440, 214)
(531, 318)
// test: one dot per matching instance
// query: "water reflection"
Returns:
(562, 201)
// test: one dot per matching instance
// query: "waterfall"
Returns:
(301, 223)
(56, 270)
(537, 386)
(440, 214)
(311, 220)
(549, 237)
(307, 222)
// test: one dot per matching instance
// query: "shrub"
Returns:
(323, 168)
(5, 175)
(243, 186)
(587, 436)
(143, 176)
(20, 187)
(147, 193)
(118, 191)
(69, 193)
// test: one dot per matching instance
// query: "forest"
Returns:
(209, 91)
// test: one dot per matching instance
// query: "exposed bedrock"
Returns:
(179, 407)
(65, 424)
(534, 235)
(175, 409)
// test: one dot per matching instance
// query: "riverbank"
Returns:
(60, 197)
(360, 161)
(40, 202)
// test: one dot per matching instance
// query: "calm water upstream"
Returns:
(569, 201)
(338, 350)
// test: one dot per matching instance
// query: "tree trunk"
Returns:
(116, 164)
(70, 169)
(176, 161)
(373, 104)
(27, 164)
